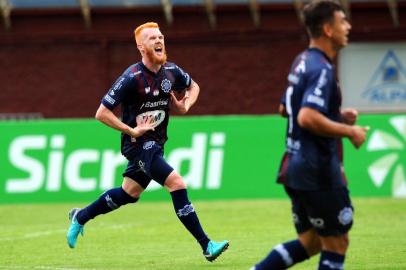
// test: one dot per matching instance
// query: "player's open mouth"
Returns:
(158, 49)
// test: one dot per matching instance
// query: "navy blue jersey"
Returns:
(315, 160)
(143, 93)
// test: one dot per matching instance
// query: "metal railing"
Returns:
(6, 6)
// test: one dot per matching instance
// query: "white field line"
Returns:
(51, 232)
(31, 235)
(42, 267)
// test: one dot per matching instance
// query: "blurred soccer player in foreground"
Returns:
(146, 93)
(321, 206)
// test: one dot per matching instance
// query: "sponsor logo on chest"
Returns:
(154, 104)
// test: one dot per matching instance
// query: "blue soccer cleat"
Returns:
(214, 249)
(74, 229)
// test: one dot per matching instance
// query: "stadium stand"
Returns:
(238, 49)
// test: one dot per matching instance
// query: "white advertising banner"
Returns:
(373, 76)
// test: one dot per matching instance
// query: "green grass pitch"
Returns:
(148, 235)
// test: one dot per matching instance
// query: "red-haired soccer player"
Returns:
(146, 92)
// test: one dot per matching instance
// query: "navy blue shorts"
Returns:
(329, 212)
(146, 163)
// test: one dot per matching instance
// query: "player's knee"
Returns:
(311, 242)
(341, 247)
(177, 185)
(313, 247)
(132, 188)
(174, 182)
(342, 243)
(135, 194)
(338, 244)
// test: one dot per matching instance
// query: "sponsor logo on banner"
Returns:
(388, 83)
(390, 166)
(41, 163)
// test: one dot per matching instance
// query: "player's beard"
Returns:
(154, 59)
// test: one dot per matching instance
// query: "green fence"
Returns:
(222, 157)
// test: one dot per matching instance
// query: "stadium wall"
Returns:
(51, 64)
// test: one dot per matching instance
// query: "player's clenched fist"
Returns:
(349, 116)
(358, 135)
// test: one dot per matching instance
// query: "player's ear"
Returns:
(140, 47)
(327, 29)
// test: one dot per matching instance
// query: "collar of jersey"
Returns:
(144, 68)
(321, 52)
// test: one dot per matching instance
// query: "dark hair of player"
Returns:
(317, 13)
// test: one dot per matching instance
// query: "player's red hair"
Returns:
(137, 31)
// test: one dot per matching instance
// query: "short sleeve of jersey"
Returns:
(118, 90)
(318, 89)
(182, 79)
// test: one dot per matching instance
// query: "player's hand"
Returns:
(349, 116)
(358, 135)
(144, 124)
(182, 105)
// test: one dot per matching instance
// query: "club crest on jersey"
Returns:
(166, 85)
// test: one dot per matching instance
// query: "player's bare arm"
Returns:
(282, 110)
(108, 118)
(317, 123)
(184, 104)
